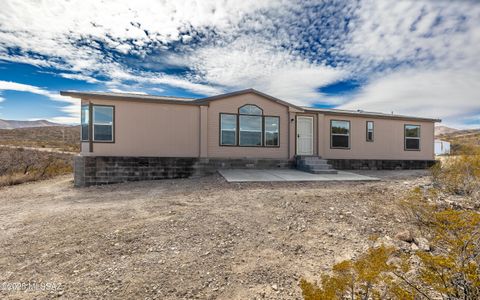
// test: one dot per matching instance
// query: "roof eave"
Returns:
(398, 117)
(81, 95)
(246, 91)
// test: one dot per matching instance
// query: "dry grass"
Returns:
(19, 165)
(65, 138)
(460, 174)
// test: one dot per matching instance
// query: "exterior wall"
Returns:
(231, 105)
(388, 141)
(150, 129)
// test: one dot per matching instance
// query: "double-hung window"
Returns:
(271, 125)
(412, 137)
(249, 128)
(369, 131)
(339, 134)
(228, 129)
(102, 123)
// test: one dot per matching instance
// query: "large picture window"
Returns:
(84, 122)
(249, 128)
(103, 123)
(228, 129)
(340, 134)
(412, 137)
(369, 131)
(271, 125)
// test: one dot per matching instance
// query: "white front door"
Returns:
(304, 135)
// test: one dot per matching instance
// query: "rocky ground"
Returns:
(192, 238)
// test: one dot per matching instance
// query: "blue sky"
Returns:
(409, 57)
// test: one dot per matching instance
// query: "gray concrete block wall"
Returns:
(376, 164)
(95, 170)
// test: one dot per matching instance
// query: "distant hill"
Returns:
(439, 130)
(13, 124)
(461, 138)
(65, 138)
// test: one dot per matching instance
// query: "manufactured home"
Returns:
(135, 137)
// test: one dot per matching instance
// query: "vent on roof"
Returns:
(359, 110)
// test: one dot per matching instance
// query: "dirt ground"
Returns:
(190, 238)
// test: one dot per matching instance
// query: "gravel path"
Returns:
(192, 238)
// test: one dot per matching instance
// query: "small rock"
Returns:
(405, 236)
(274, 287)
(422, 244)
(414, 247)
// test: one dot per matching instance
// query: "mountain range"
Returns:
(13, 124)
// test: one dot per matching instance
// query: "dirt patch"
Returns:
(191, 238)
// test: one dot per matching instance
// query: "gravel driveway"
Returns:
(191, 238)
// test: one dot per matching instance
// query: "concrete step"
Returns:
(331, 171)
(308, 158)
(313, 162)
(319, 167)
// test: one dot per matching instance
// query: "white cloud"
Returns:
(65, 34)
(418, 49)
(127, 92)
(72, 109)
(435, 44)
(81, 77)
(447, 94)
(249, 63)
(2, 99)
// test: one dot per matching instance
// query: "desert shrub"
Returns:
(459, 174)
(18, 165)
(450, 271)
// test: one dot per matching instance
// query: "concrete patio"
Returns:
(251, 175)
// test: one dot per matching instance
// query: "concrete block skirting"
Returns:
(378, 164)
(95, 170)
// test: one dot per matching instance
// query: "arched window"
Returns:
(253, 128)
(250, 109)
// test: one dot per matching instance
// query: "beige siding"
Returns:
(231, 105)
(151, 129)
(388, 140)
(175, 130)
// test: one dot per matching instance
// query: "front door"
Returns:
(304, 135)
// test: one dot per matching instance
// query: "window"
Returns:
(250, 109)
(412, 137)
(103, 123)
(228, 129)
(340, 134)
(369, 131)
(84, 123)
(250, 130)
(271, 131)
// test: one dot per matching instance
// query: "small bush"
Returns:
(459, 174)
(20, 165)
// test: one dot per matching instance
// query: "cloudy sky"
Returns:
(410, 57)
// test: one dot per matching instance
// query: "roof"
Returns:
(207, 100)
(249, 91)
(362, 113)
(128, 97)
